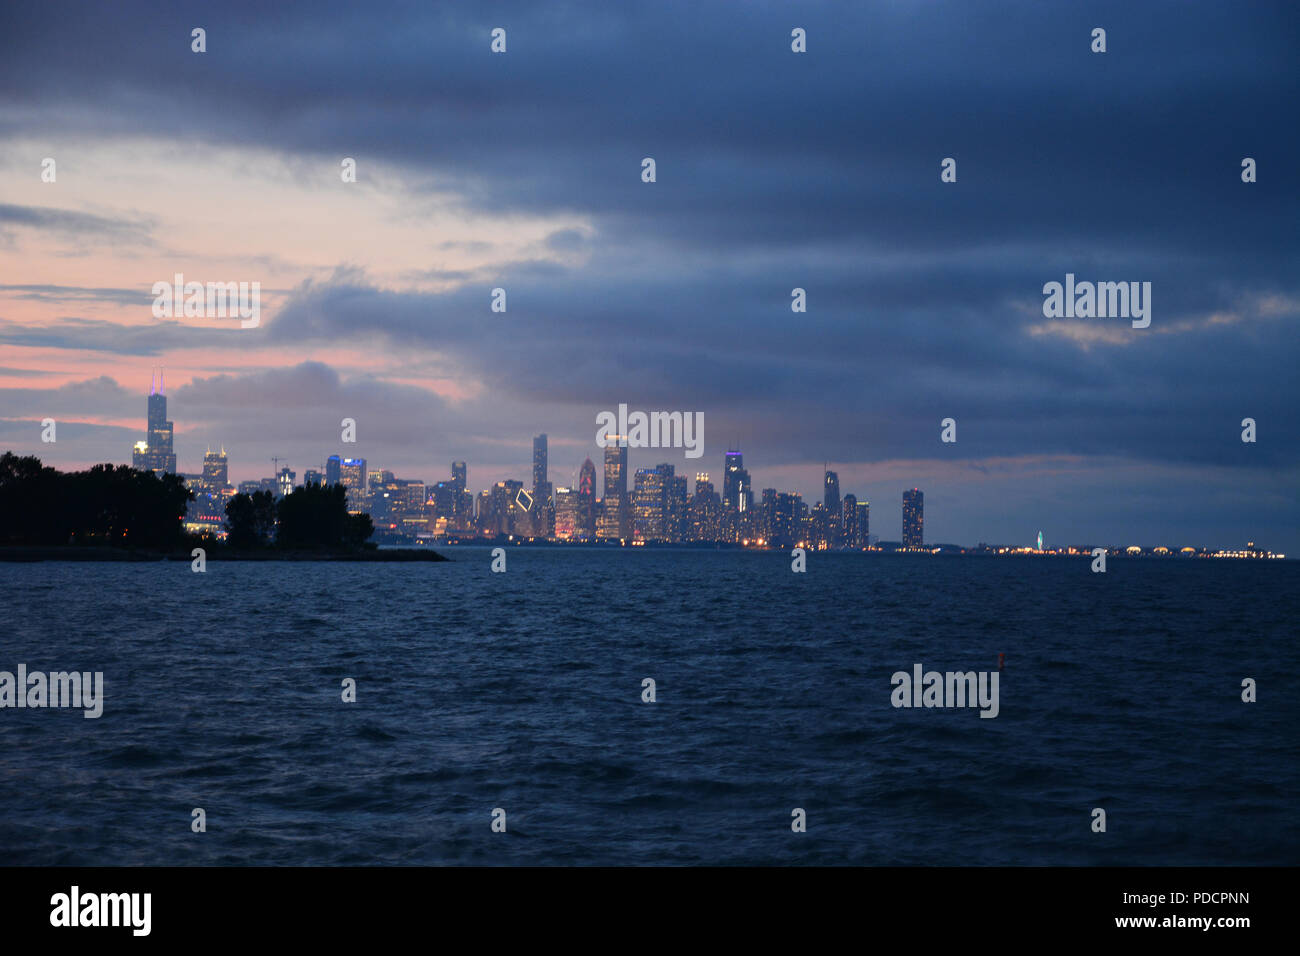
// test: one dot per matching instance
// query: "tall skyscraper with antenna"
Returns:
(155, 453)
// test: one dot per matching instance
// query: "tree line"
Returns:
(121, 506)
(313, 517)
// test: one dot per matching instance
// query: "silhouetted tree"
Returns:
(313, 516)
(122, 506)
(357, 530)
(108, 504)
(316, 516)
(29, 494)
(118, 505)
(250, 520)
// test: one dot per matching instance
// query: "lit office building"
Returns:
(913, 518)
(439, 500)
(507, 509)
(675, 513)
(705, 510)
(586, 527)
(613, 524)
(284, 482)
(382, 501)
(819, 527)
(831, 497)
(649, 502)
(216, 471)
(736, 489)
(784, 520)
(411, 511)
(849, 521)
(352, 476)
(567, 504)
(539, 461)
(462, 504)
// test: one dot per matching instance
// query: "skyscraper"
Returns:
(614, 523)
(333, 470)
(785, 520)
(705, 510)
(506, 508)
(542, 512)
(864, 524)
(462, 501)
(352, 475)
(215, 471)
(539, 462)
(284, 482)
(831, 497)
(736, 492)
(566, 514)
(650, 503)
(834, 521)
(675, 508)
(913, 518)
(586, 520)
(155, 453)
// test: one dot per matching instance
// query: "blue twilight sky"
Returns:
(775, 170)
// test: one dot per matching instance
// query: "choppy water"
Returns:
(523, 691)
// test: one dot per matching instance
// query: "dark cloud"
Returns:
(97, 335)
(64, 293)
(865, 366)
(72, 223)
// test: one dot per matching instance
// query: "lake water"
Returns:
(522, 691)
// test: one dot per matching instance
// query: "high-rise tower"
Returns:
(913, 518)
(539, 462)
(614, 520)
(586, 520)
(155, 453)
(831, 499)
(216, 471)
(736, 491)
(542, 511)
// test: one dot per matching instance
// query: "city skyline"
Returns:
(658, 508)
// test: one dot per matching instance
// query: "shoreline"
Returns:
(24, 554)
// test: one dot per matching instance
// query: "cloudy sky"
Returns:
(775, 170)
